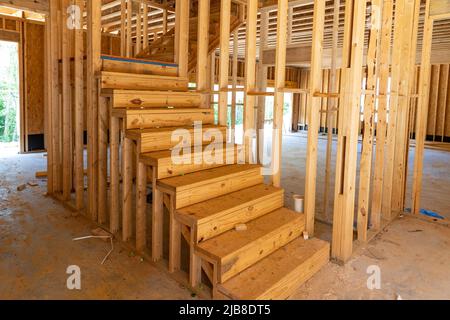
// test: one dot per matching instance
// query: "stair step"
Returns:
(138, 118)
(156, 139)
(235, 251)
(280, 274)
(133, 81)
(155, 99)
(207, 184)
(165, 167)
(139, 66)
(215, 216)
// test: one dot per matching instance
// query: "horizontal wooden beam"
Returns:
(30, 5)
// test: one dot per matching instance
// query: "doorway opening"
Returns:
(9, 98)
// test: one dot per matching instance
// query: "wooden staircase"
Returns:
(206, 200)
(163, 48)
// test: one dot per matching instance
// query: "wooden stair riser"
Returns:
(217, 188)
(141, 119)
(162, 140)
(118, 80)
(139, 67)
(166, 168)
(155, 99)
(229, 219)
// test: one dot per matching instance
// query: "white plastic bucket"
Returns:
(298, 203)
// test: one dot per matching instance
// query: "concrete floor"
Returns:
(36, 244)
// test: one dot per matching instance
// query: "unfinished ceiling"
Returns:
(299, 28)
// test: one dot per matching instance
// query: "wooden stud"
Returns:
(157, 220)
(123, 30)
(250, 77)
(202, 48)
(48, 103)
(66, 104)
(262, 85)
(332, 104)
(383, 65)
(313, 119)
(225, 7)
(422, 110)
(280, 80)
(129, 48)
(352, 62)
(127, 188)
(234, 86)
(114, 175)
(145, 26)
(195, 263)
(183, 42)
(405, 86)
(369, 117)
(141, 205)
(102, 157)
(79, 114)
(174, 239)
(94, 65)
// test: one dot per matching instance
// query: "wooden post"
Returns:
(332, 104)
(141, 205)
(346, 162)
(138, 29)
(262, 85)
(66, 103)
(164, 21)
(55, 91)
(129, 48)
(175, 240)
(114, 174)
(394, 171)
(183, 37)
(314, 116)
(280, 75)
(225, 7)
(422, 109)
(157, 221)
(79, 113)
(145, 26)
(94, 65)
(202, 49)
(123, 32)
(250, 77)
(290, 24)
(234, 86)
(127, 188)
(409, 48)
(369, 115)
(102, 157)
(49, 99)
(384, 66)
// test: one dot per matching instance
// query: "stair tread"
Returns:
(231, 241)
(205, 211)
(205, 176)
(280, 273)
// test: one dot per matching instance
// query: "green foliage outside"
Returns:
(9, 91)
